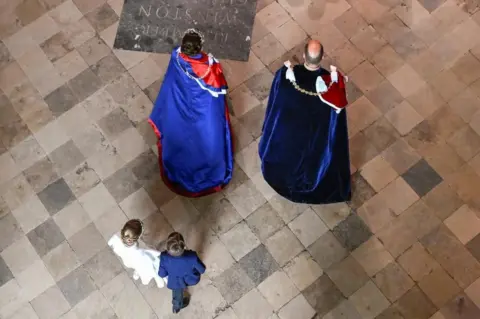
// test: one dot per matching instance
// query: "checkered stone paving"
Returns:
(78, 159)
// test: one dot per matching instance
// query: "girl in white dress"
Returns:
(144, 262)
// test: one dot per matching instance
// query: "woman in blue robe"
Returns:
(190, 118)
(304, 147)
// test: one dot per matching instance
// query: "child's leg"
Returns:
(177, 299)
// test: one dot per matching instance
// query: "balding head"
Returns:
(313, 53)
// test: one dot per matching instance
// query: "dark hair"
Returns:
(132, 230)
(313, 60)
(191, 44)
(175, 244)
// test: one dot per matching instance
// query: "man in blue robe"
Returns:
(190, 118)
(304, 146)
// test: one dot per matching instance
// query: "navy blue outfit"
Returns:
(182, 271)
(304, 146)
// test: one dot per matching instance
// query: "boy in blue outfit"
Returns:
(182, 267)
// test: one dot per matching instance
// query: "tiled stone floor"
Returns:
(77, 159)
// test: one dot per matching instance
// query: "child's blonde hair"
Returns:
(175, 244)
(132, 230)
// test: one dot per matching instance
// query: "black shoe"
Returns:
(186, 301)
(175, 310)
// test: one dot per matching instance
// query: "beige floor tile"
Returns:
(138, 205)
(403, 117)
(406, 80)
(303, 270)
(372, 256)
(20, 255)
(283, 246)
(369, 301)
(273, 16)
(35, 279)
(290, 34)
(97, 201)
(439, 287)
(240, 240)
(447, 84)
(297, 308)
(308, 227)
(252, 304)
(30, 214)
(378, 173)
(278, 289)
(464, 223)
(417, 262)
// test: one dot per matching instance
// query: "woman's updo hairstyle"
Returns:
(192, 42)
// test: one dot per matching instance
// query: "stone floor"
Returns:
(77, 159)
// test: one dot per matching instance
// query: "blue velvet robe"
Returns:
(195, 142)
(304, 146)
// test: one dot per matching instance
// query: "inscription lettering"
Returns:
(159, 25)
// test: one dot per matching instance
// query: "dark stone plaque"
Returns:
(158, 25)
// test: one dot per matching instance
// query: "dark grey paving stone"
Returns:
(66, 157)
(422, 178)
(61, 100)
(323, 295)
(259, 264)
(260, 84)
(233, 283)
(41, 174)
(76, 286)
(352, 232)
(10, 230)
(253, 120)
(122, 184)
(46, 237)
(5, 273)
(85, 84)
(56, 196)
(431, 5)
(108, 68)
(361, 191)
(103, 267)
(114, 123)
(327, 250)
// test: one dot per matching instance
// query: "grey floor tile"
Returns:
(56, 196)
(46, 237)
(5, 273)
(66, 157)
(76, 286)
(61, 100)
(85, 84)
(233, 283)
(103, 267)
(352, 232)
(327, 250)
(122, 183)
(422, 178)
(323, 295)
(259, 264)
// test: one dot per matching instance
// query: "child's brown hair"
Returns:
(175, 244)
(131, 231)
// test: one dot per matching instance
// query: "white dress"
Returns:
(144, 262)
